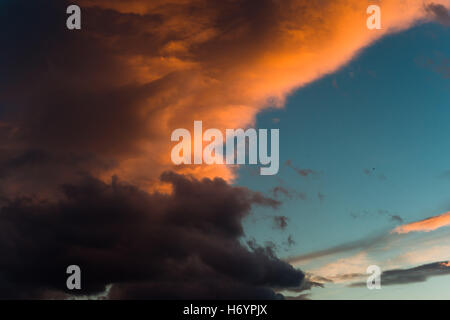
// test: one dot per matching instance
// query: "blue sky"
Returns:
(377, 135)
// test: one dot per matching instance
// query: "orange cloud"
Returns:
(425, 225)
(223, 62)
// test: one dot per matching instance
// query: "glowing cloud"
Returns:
(425, 225)
(160, 65)
(223, 62)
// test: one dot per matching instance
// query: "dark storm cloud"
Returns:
(440, 13)
(70, 101)
(75, 90)
(37, 171)
(183, 245)
(412, 275)
(64, 91)
(72, 106)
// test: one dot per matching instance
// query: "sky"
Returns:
(374, 135)
(86, 176)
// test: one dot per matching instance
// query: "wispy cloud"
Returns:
(425, 225)
(303, 172)
(361, 244)
(411, 275)
(344, 269)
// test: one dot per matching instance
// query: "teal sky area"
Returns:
(373, 140)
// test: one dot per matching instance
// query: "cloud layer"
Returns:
(411, 275)
(77, 107)
(111, 93)
(183, 245)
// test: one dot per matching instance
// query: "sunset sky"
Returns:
(86, 176)
(375, 134)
